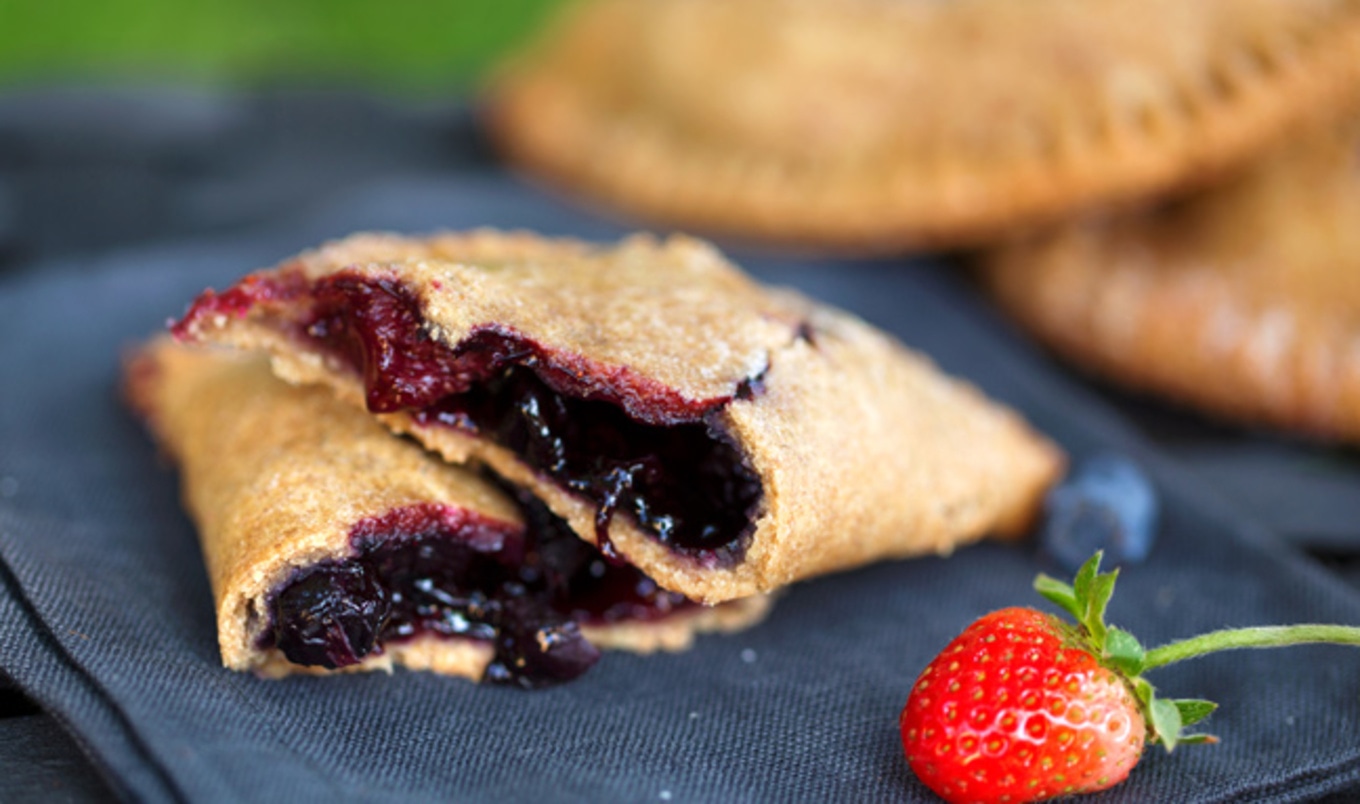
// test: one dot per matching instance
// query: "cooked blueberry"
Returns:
(331, 616)
(1107, 504)
(686, 483)
(416, 573)
(538, 646)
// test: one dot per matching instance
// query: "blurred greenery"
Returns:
(415, 46)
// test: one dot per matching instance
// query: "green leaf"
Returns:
(1142, 690)
(1058, 592)
(1166, 722)
(1081, 584)
(1099, 591)
(1124, 651)
(1194, 710)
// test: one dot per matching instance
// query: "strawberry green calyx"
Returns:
(1086, 599)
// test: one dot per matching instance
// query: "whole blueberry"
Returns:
(1107, 504)
(331, 616)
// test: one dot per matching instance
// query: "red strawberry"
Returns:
(1014, 710)
(1024, 706)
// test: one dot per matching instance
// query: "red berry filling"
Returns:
(240, 298)
(624, 442)
(431, 570)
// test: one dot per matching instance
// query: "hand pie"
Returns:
(1243, 301)
(724, 438)
(892, 124)
(333, 545)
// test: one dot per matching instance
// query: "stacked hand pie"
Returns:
(881, 125)
(1243, 300)
(1164, 192)
(488, 454)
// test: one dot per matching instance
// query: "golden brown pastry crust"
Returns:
(657, 312)
(276, 476)
(865, 451)
(883, 124)
(677, 631)
(464, 658)
(1243, 301)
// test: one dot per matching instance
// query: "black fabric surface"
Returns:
(106, 616)
(45, 761)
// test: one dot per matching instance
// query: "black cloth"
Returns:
(106, 617)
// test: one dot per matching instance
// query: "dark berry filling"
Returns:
(431, 570)
(622, 441)
(685, 483)
(588, 588)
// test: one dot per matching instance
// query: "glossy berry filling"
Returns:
(622, 441)
(426, 569)
(239, 299)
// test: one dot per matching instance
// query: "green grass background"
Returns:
(410, 46)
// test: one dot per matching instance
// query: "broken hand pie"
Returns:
(888, 124)
(332, 545)
(724, 438)
(1243, 301)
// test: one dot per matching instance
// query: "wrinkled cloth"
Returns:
(106, 616)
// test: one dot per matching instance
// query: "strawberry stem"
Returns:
(1262, 637)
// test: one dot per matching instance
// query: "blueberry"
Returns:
(1107, 504)
(538, 647)
(330, 617)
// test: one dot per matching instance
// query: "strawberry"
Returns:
(1024, 706)
(1014, 710)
